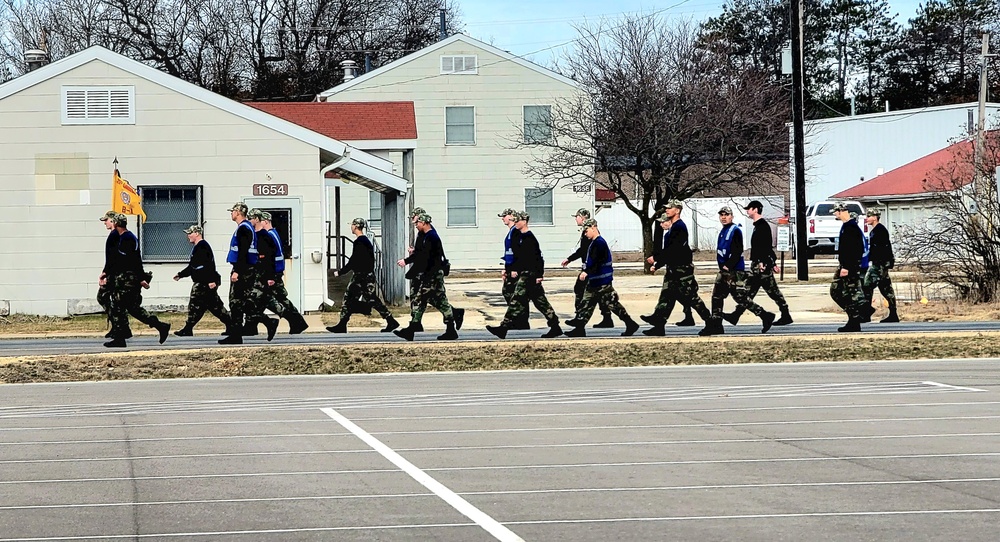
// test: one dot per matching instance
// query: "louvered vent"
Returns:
(459, 64)
(98, 105)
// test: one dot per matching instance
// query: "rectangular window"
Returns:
(462, 207)
(537, 123)
(374, 210)
(460, 125)
(98, 105)
(169, 209)
(463, 64)
(538, 205)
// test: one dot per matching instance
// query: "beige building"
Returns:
(191, 152)
(472, 103)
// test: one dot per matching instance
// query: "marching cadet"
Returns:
(507, 216)
(527, 269)
(362, 289)
(428, 269)
(881, 261)
(846, 289)
(732, 277)
(679, 284)
(110, 250)
(763, 266)
(271, 271)
(581, 285)
(599, 273)
(205, 281)
(127, 276)
(246, 300)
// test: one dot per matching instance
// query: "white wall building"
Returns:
(471, 101)
(192, 152)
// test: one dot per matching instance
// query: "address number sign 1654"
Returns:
(270, 189)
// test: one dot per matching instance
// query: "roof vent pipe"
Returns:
(349, 67)
(35, 58)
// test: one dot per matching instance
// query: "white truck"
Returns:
(823, 229)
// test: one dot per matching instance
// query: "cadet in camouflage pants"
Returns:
(680, 285)
(431, 292)
(205, 299)
(363, 286)
(878, 275)
(848, 293)
(604, 296)
(527, 288)
(733, 283)
(126, 299)
(765, 279)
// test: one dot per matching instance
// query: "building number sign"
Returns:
(270, 189)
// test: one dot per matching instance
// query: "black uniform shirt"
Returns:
(851, 246)
(110, 250)
(676, 250)
(528, 255)
(581, 252)
(201, 267)
(761, 250)
(244, 238)
(362, 260)
(127, 257)
(267, 250)
(880, 248)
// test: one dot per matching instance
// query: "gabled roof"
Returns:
(348, 121)
(375, 173)
(947, 169)
(507, 56)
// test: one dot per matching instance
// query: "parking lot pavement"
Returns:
(850, 451)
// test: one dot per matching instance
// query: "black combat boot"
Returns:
(766, 321)
(296, 323)
(390, 324)
(631, 326)
(554, 331)
(186, 331)
(459, 315)
(577, 331)
(499, 332)
(341, 326)
(687, 321)
(606, 322)
(250, 330)
(852, 325)
(892, 318)
(734, 317)
(115, 343)
(522, 322)
(272, 327)
(164, 329)
(785, 319)
(658, 330)
(408, 331)
(712, 327)
(233, 338)
(574, 322)
(450, 334)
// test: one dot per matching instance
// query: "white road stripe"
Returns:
(763, 516)
(491, 525)
(952, 387)
(216, 534)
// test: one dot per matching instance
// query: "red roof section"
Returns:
(947, 169)
(348, 121)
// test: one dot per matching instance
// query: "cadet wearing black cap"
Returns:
(361, 295)
(509, 283)
(127, 277)
(763, 265)
(881, 261)
(846, 289)
(205, 284)
(581, 285)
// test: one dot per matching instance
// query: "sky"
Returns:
(539, 30)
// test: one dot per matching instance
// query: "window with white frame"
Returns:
(460, 64)
(460, 125)
(98, 105)
(169, 209)
(374, 210)
(537, 123)
(538, 205)
(462, 207)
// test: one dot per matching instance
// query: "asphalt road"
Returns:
(57, 346)
(815, 451)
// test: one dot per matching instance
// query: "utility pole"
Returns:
(798, 149)
(980, 149)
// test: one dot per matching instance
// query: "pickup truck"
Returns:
(822, 228)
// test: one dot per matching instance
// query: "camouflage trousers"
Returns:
(679, 285)
(578, 290)
(733, 283)
(276, 299)
(205, 299)
(848, 293)
(878, 275)
(104, 299)
(362, 289)
(247, 300)
(507, 290)
(765, 279)
(600, 295)
(430, 291)
(125, 300)
(527, 288)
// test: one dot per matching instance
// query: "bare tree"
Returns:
(660, 116)
(960, 245)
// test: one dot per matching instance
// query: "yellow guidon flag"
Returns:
(125, 199)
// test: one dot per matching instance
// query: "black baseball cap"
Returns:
(754, 204)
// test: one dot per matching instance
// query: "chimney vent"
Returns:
(349, 67)
(35, 58)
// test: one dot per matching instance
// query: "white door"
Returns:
(286, 217)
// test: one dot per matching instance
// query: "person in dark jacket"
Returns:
(528, 269)
(246, 300)
(581, 285)
(846, 288)
(508, 217)
(363, 287)
(127, 276)
(881, 261)
(599, 273)
(427, 269)
(271, 272)
(103, 284)
(205, 281)
(763, 266)
(732, 277)
(679, 284)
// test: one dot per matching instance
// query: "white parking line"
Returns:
(216, 534)
(763, 516)
(491, 525)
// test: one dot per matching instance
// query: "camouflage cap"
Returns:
(255, 214)
(110, 215)
(589, 223)
(854, 216)
(874, 212)
(194, 228)
(521, 216)
(582, 212)
(424, 217)
(726, 210)
(417, 211)
(120, 220)
(674, 204)
(360, 223)
(239, 206)
(662, 218)
(838, 207)
(507, 211)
